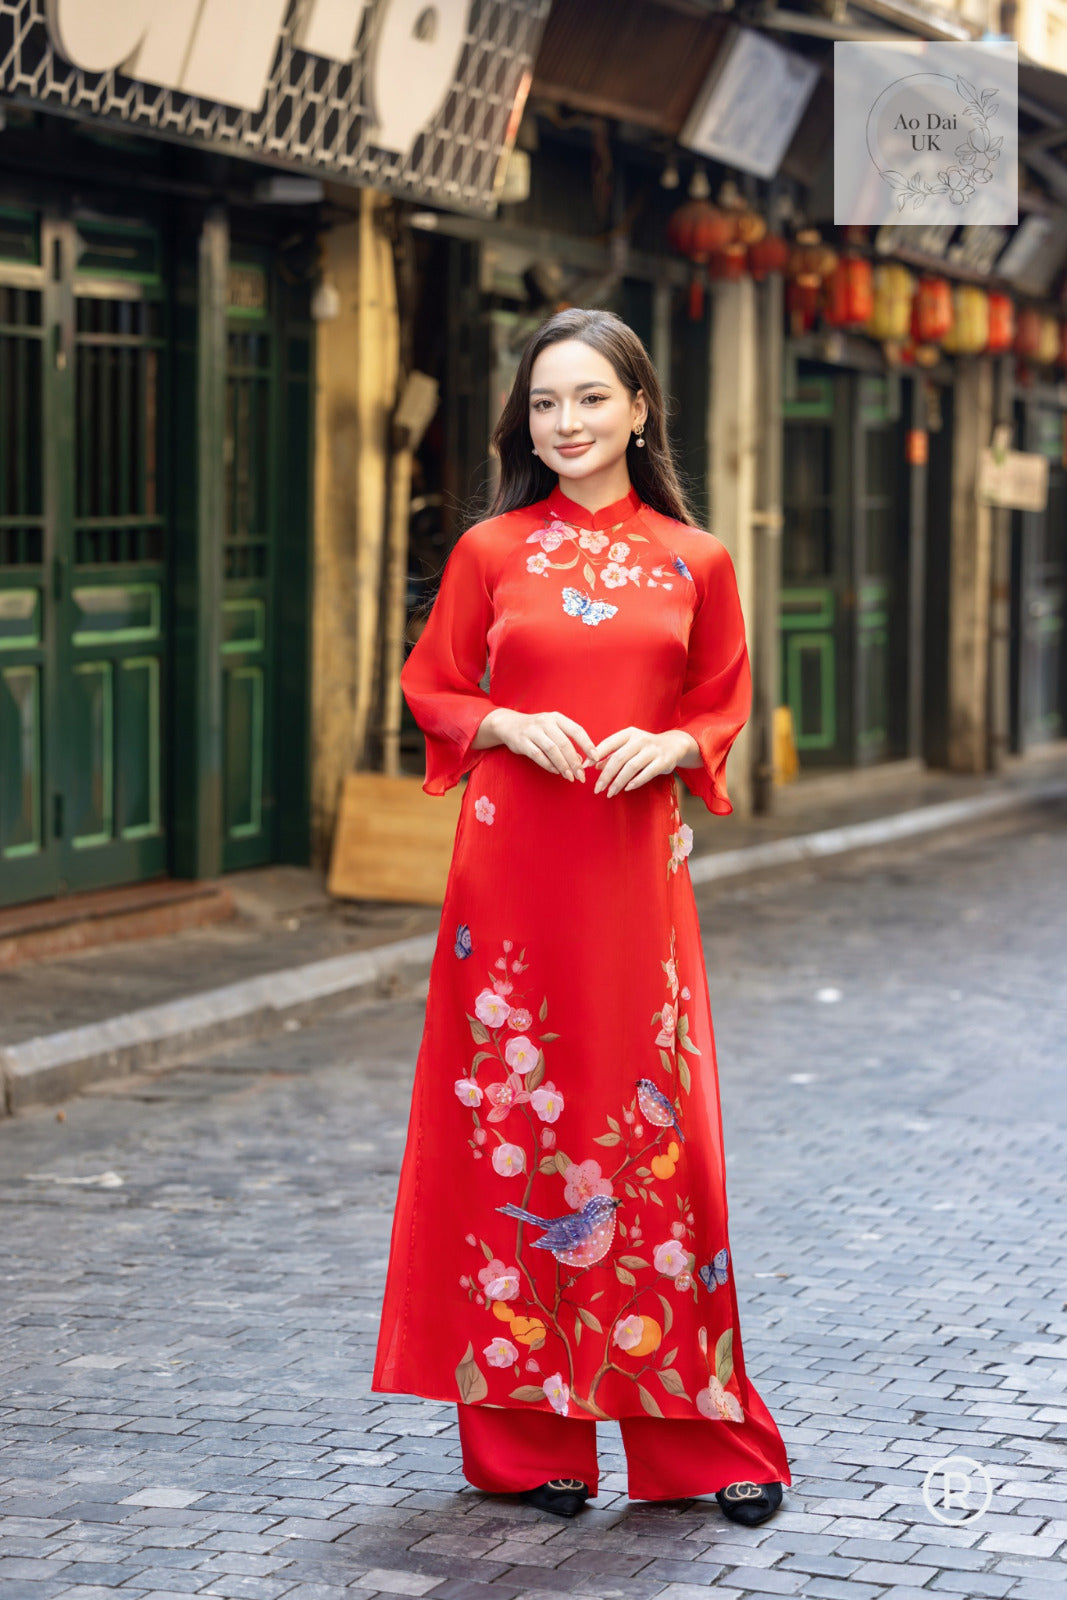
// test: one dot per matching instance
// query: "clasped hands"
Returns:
(626, 759)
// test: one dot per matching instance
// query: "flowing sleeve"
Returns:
(442, 673)
(717, 694)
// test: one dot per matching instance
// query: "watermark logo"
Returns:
(957, 1490)
(926, 133)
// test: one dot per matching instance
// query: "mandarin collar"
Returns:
(577, 516)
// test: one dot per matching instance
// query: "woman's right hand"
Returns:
(546, 737)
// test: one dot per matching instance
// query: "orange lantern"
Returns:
(1001, 324)
(1028, 333)
(849, 293)
(767, 255)
(749, 227)
(890, 318)
(1048, 341)
(969, 334)
(697, 230)
(931, 311)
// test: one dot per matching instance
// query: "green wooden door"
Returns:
(28, 857)
(1042, 590)
(842, 595)
(82, 569)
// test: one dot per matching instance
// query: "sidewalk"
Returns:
(292, 952)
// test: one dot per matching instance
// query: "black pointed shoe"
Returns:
(563, 1497)
(749, 1503)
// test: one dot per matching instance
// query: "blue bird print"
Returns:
(581, 1238)
(656, 1108)
(715, 1273)
(576, 603)
(463, 945)
(680, 566)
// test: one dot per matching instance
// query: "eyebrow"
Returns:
(597, 383)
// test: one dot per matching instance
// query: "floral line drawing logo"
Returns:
(974, 159)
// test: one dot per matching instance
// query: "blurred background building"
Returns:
(265, 272)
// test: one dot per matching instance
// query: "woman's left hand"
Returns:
(633, 756)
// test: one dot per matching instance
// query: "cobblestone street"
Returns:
(192, 1268)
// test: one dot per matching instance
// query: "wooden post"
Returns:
(1000, 591)
(356, 369)
(970, 571)
(199, 513)
(767, 535)
(732, 455)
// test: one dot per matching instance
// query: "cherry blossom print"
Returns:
(484, 809)
(547, 1102)
(668, 1025)
(468, 1092)
(521, 1054)
(629, 1332)
(501, 1353)
(549, 538)
(584, 1180)
(557, 1393)
(520, 1018)
(509, 1160)
(502, 1096)
(539, 563)
(681, 843)
(491, 1009)
(593, 542)
(505, 1287)
(670, 1259)
(715, 1402)
(619, 551)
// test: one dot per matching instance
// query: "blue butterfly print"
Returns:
(576, 603)
(463, 946)
(715, 1272)
(680, 566)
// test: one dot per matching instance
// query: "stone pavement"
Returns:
(192, 1267)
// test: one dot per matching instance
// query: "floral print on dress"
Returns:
(484, 809)
(607, 1205)
(603, 559)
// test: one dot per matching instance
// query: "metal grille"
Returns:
(248, 456)
(21, 510)
(117, 481)
(314, 113)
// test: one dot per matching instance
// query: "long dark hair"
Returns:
(524, 478)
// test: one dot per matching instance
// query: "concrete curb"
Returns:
(54, 1066)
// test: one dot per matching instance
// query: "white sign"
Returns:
(748, 109)
(1014, 479)
(926, 132)
(223, 50)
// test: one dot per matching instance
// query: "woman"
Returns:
(559, 1249)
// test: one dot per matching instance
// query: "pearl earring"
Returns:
(638, 431)
(534, 450)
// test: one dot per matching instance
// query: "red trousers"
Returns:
(505, 1451)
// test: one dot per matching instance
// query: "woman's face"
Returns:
(581, 414)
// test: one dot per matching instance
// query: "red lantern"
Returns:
(1001, 324)
(728, 264)
(931, 311)
(767, 255)
(802, 303)
(1028, 333)
(697, 230)
(849, 293)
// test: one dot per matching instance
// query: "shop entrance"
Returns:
(83, 555)
(843, 597)
(1040, 590)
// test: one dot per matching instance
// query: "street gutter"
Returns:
(54, 1066)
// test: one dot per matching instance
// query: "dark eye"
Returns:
(596, 397)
